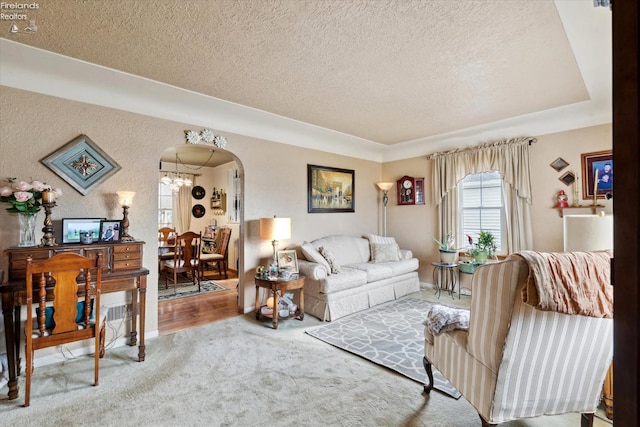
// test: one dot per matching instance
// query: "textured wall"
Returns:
(414, 226)
(275, 176)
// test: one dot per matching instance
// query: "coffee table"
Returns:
(295, 282)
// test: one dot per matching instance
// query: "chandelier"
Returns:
(176, 179)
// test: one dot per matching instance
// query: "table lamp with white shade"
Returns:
(588, 232)
(275, 229)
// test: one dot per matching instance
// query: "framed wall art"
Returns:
(82, 164)
(559, 164)
(597, 174)
(568, 178)
(110, 230)
(330, 189)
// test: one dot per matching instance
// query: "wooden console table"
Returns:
(122, 271)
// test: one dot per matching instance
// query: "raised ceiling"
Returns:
(387, 72)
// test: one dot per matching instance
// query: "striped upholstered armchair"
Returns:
(516, 361)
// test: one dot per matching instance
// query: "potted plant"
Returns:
(448, 253)
(485, 247)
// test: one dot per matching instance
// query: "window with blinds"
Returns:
(481, 207)
(165, 206)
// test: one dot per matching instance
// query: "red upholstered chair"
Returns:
(67, 278)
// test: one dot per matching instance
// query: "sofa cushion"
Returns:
(330, 259)
(403, 266)
(384, 252)
(345, 249)
(374, 271)
(347, 279)
(312, 254)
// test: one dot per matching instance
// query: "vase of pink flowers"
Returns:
(26, 200)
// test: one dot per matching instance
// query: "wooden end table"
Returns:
(295, 282)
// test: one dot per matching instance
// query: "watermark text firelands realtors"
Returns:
(16, 11)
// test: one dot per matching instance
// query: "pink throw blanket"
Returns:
(569, 282)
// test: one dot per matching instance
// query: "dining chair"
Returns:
(221, 255)
(186, 258)
(165, 252)
(67, 278)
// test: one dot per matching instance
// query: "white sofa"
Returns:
(345, 274)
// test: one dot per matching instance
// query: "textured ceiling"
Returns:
(385, 71)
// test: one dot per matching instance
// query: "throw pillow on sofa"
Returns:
(383, 240)
(383, 252)
(312, 254)
(333, 264)
(374, 238)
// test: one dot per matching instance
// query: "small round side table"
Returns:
(276, 287)
(445, 277)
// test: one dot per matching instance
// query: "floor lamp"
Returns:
(385, 187)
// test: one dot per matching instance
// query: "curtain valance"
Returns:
(509, 157)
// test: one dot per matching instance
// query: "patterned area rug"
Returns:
(391, 335)
(187, 288)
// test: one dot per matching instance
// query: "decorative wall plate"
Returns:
(198, 211)
(198, 192)
(82, 164)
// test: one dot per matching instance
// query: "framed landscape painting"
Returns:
(597, 174)
(330, 189)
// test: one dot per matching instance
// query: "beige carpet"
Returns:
(238, 372)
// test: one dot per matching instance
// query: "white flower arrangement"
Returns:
(207, 136)
(193, 137)
(219, 141)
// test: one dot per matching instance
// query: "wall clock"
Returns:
(406, 190)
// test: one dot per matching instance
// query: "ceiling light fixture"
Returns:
(176, 179)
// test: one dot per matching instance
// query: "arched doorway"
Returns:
(213, 201)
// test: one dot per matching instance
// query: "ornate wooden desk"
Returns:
(122, 271)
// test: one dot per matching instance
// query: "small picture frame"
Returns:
(559, 164)
(568, 178)
(110, 230)
(287, 259)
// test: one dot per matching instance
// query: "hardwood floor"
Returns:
(183, 313)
